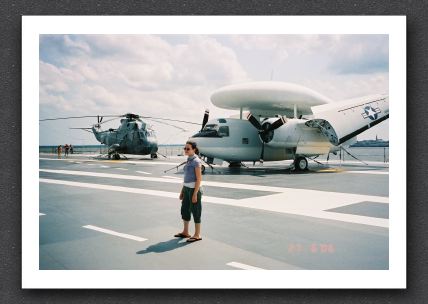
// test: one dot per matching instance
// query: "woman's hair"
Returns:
(194, 146)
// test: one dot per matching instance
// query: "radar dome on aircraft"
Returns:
(268, 98)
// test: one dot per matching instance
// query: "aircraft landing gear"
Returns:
(300, 163)
(202, 169)
(154, 155)
(235, 165)
(114, 155)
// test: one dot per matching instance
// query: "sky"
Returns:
(173, 76)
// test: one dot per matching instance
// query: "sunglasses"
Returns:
(186, 149)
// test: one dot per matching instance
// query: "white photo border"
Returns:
(33, 26)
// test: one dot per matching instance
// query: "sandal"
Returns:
(181, 235)
(193, 239)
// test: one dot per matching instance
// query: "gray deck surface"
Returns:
(253, 227)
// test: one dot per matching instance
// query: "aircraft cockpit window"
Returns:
(210, 127)
(223, 131)
(222, 120)
(210, 130)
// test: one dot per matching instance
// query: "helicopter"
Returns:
(133, 136)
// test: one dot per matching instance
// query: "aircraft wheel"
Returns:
(301, 163)
(116, 156)
(153, 155)
(235, 165)
(202, 169)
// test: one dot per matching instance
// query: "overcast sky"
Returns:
(173, 76)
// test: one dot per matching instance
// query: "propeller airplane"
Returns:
(284, 122)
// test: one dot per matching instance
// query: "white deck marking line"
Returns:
(243, 266)
(40, 214)
(291, 203)
(104, 166)
(140, 162)
(303, 192)
(143, 172)
(124, 169)
(174, 177)
(119, 234)
(368, 172)
(76, 162)
(131, 190)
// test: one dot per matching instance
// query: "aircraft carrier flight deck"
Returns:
(122, 214)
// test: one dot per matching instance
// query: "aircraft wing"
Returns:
(340, 121)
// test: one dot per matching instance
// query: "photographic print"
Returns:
(243, 151)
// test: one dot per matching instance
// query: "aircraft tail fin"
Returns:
(344, 120)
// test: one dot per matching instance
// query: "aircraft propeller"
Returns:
(265, 130)
(205, 120)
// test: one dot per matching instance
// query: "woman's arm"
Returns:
(198, 181)
(181, 193)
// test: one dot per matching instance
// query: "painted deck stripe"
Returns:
(143, 172)
(123, 169)
(174, 177)
(40, 214)
(119, 234)
(250, 164)
(290, 203)
(243, 266)
(104, 166)
(369, 172)
(302, 192)
(140, 162)
(209, 199)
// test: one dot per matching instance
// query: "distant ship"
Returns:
(371, 143)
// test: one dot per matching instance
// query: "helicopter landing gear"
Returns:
(114, 155)
(300, 163)
(154, 155)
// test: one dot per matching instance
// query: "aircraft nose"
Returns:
(193, 137)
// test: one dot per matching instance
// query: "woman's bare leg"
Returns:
(186, 227)
(197, 231)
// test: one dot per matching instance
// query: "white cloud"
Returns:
(116, 74)
(152, 75)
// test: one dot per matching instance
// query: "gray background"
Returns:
(10, 128)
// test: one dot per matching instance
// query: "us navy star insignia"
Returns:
(370, 112)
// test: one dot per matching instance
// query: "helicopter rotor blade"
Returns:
(108, 120)
(169, 119)
(77, 117)
(168, 124)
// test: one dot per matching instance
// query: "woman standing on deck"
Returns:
(191, 194)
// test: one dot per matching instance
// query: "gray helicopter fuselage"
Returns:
(235, 140)
(132, 137)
